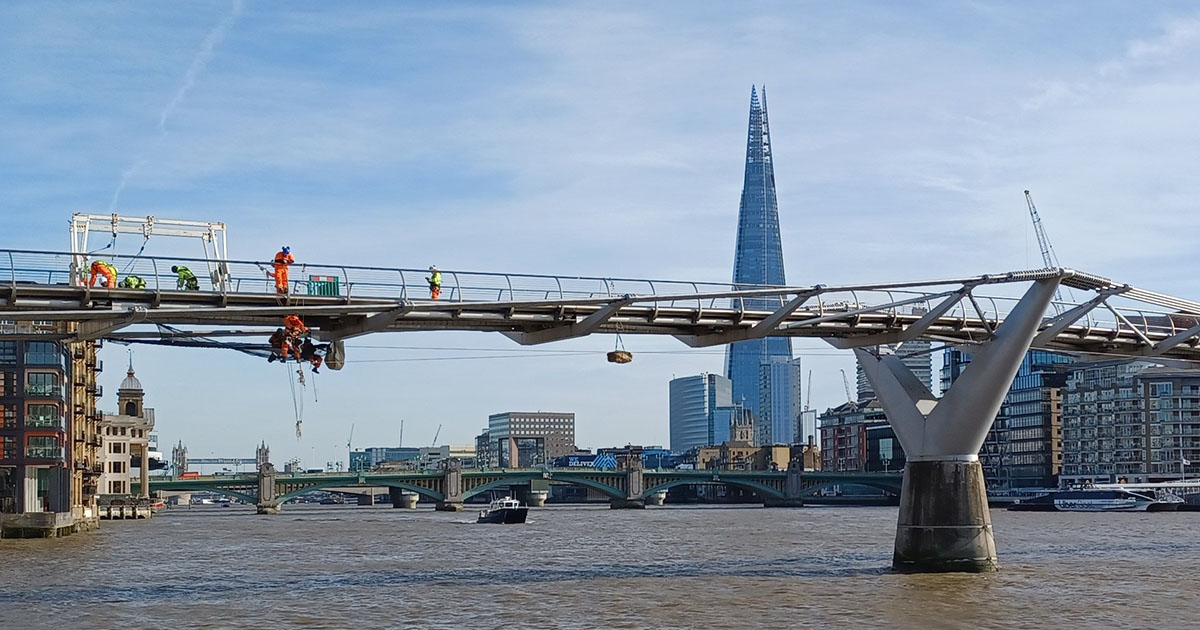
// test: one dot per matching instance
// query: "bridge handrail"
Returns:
(251, 277)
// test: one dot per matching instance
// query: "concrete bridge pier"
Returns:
(944, 524)
(403, 498)
(635, 486)
(451, 488)
(793, 490)
(656, 498)
(366, 499)
(267, 503)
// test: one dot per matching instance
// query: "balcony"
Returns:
(45, 422)
(44, 391)
(45, 452)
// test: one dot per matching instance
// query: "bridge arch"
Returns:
(890, 489)
(567, 478)
(759, 489)
(233, 494)
(424, 492)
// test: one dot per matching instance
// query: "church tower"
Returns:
(130, 397)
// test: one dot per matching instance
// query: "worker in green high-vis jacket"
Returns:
(185, 279)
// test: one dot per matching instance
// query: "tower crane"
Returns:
(436, 434)
(846, 384)
(1049, 258)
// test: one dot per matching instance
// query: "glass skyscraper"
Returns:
(758, 260)
(693, 413)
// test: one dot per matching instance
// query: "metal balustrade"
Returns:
(1114, 319)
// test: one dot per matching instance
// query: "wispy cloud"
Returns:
(195, 69)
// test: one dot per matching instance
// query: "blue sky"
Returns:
(596, 139)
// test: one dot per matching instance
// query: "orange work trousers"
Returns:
(110, 278)
(281, 278)
(434, 292)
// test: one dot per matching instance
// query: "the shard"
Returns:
(758, 260)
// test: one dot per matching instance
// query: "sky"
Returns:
(602, 139)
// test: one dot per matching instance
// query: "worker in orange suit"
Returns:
(293, 329)
(101, 268)
(282, 260)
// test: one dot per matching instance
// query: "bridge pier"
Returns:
(793, 490)
(944, 524)
(267, 503)
(656, 498)
(451, 488)
(366, 499)
(403, 499)
(635, 485)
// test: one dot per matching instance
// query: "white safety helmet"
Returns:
(433, 267)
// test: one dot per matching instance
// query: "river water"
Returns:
(591, 567)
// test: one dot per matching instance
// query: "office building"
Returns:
(694, 401)
(1130, 422)
(758, 260)
(844, 435)
(49, 442)
(522, 439)
(779, 402)
(1023, 448)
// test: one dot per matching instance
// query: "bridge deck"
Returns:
(1115, 320)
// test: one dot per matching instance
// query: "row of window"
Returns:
(36, 353)
(36, 447)
(37, 416)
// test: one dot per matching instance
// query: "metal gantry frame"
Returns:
(212, 237)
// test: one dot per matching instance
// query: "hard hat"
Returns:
(174, 269)
(433, 267)
(287, 250)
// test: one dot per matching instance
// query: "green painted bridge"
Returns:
(448, 489)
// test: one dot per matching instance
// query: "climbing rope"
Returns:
(137, 255)
(297, 403)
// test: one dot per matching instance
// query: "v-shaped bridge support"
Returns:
(944, 524)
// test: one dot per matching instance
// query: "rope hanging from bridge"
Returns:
(297, 401)
(129, 265)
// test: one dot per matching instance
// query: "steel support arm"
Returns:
(580, 328)
(370, 323)
(955, 428)
(757, 331)
(1166, 344)
(1063, 321)
(95, 329)
(910, 332)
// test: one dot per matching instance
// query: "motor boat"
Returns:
(507, 511)
(1098, 500)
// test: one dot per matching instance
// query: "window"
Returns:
(42, 353)
(9, 417)
(8, 352)
(42, 384)
(43, 417)
(1160, 389)
(43, 447)
(116, 447)
(116, 487)
(8, 447)
(116, 467)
